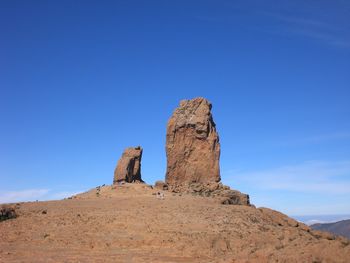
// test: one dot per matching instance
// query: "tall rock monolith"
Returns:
(192, 144)
(129, 166)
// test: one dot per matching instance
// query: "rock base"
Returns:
(224, 193)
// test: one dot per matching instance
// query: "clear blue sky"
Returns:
(82, 80)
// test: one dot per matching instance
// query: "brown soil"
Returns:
(130, 224)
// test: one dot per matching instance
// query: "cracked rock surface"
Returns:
(192, 144)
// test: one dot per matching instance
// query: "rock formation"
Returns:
(129, 166)
(161, 185)
(192, 144)
(193, 152)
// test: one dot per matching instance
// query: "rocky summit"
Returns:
(130, 223)
(192, 144)
(191, 217)
(129, 166)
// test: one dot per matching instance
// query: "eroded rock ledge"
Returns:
(223, 193)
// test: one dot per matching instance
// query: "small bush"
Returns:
(7, 212)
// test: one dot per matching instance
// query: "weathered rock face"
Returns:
(129, 166)
(223, 193)
(192, 144)
(193, 152)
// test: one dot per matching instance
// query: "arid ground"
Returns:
(130, 224)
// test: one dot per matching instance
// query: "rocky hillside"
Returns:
(133, 223)
(191, 217)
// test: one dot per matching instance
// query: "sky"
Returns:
(82, 80)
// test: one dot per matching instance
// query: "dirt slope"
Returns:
(129, 224)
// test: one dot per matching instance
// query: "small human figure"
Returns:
(160, 195)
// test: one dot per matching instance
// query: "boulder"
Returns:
(219, 191)
(234, 197)
(192, 144)
(161, 185)
(129, 166)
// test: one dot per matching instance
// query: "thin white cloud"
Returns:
(314, 219)
(312, 139)
(33, 195)
(328, 137)
(317, 29)
(23, 195)
(329, 38)
(302, 21)
(308, 177)
(64, 194)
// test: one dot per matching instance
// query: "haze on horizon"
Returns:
(82, 80)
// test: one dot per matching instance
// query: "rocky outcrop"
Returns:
(129, 166)
(161, 185)
(192, 144)
(221, 192)
(193, 152)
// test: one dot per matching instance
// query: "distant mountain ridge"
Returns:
(321, 219)
(341, 228)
